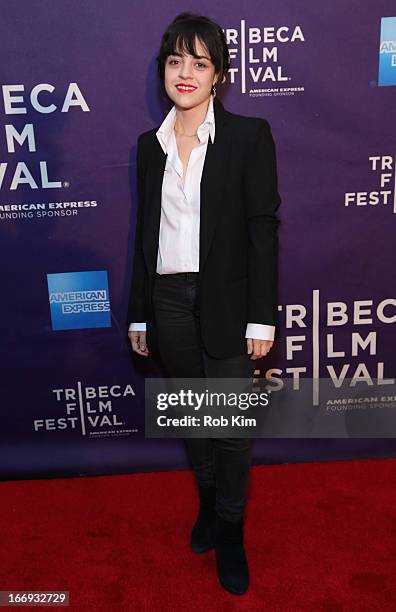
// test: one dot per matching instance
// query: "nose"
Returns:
(185, 71)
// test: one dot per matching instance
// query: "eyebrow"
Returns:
(196, 56)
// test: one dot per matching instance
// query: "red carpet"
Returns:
(320, 537)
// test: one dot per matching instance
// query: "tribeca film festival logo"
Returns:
(89, 410)
(20, 139)
(384, 167)
(387, 52)
(79, 300)
(338, 359)
(256, 53)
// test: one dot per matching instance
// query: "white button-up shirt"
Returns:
(178, 247)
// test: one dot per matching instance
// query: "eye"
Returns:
(201, 64)
(172, 60)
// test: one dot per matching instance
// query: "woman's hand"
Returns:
(138, 342)
(258, 348)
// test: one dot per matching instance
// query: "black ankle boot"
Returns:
(202, 535)
(231, 561)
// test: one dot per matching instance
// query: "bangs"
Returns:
(185, 42)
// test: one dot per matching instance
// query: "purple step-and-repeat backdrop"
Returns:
(78, 86)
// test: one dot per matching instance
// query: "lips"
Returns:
(184, 88)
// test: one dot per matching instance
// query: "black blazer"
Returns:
(238, 259)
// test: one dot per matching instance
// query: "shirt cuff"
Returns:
(258, 331)
(137, 327)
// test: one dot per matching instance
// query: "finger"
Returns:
(142, 345)
(138, 342)
(256, 349)
(142, 342)
(260, 348)
(141, 352)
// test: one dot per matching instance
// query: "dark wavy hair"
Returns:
(180, 36)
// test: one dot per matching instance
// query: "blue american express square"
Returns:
(79, 300)
(387, 53)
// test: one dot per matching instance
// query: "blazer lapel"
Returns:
(213, 181)
(152, 204)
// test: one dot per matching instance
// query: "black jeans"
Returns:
(221, 462)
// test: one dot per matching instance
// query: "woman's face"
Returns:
(198, 74)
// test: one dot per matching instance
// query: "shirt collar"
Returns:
(207, 126)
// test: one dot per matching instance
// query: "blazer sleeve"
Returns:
(262, 203)
(136, 302)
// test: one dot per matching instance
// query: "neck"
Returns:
(188, 120)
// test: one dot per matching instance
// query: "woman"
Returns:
(204, 280)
